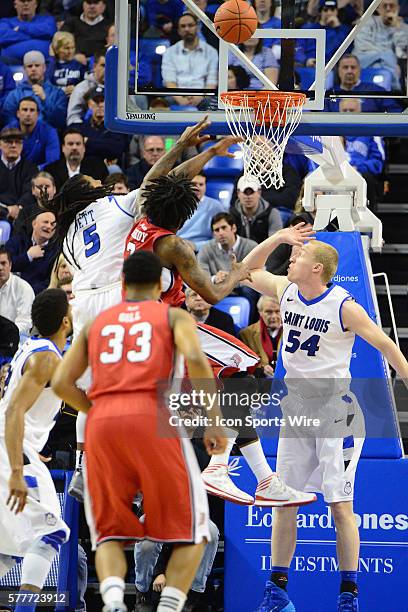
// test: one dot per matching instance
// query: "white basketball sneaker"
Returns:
(273, 492)
(217, 481)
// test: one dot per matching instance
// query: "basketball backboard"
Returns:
(139, 80)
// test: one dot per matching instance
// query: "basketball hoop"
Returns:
(265, 120)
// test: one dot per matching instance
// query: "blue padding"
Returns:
(368, 370)
(308, 75)
(31, 482)
(220, 190)
(238, 307)
(377, 76)
(380, 505)
(223, 167)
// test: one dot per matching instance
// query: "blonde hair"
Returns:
(54, 274)
(60, 39)
(326, 255)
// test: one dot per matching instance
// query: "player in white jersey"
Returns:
(320, 321)
(92, 229)
(30, 519)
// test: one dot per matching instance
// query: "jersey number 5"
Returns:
(91, 240)
(311, 345)
(116, 334)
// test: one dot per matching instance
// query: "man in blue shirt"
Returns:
(366, 154)
(336, 32)
(41, 143)
(51, 100)
(197, 229)
(26, 31)
(349, 71)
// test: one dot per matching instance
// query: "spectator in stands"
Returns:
(366, 154)
(16, 295)
(41, 182)
(7, 83)
(265, 336)
(217, 255)
(64, 70)
(336, 32)
(197, 229)
(265, 11)
(202, 312)
(25, 32)
(238, 78)
(161, 16)
(253, 216)
(66, 285)
(33, 256)
(191, 62)
(349, 10)
(118, 182)
(101, 142)
(15, 173)
(383, 40)
(9, 341)
(90, 28)
(77, 106)
(260, 55)
(62, 273)
(349, 71)
(51, 100)
(74, 161)
(152, 149)
(41, 144)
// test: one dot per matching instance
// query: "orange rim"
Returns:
(253, 98)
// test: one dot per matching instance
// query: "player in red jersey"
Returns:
(168, 202)
(130, 347)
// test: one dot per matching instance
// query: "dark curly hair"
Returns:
(169, 201)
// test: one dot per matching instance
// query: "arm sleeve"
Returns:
(275, 221)
(10, 106)
(25, 299)
(55, 107)
(169, 72)
(203, 259)
(8, 83)
(374, 161)
(8, 35)
(129, 202)
(365, 40)
(43, 26)
(19, 259)
(52, 151)
(76, 104)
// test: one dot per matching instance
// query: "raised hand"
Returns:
(221, 147)
(191, 135)
(298, 234)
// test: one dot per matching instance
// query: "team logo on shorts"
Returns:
(50, 519)
(236, 359)
(348, 488)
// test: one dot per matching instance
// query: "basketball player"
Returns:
(130, 347)
(30, 518)
(92, 227)
(320, 320)
(168, 202)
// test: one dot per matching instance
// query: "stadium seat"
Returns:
(220, 190)
(5, 230)
(238, 308)
(307, 76)
(377, 76)
(153, 46)
(224, 166)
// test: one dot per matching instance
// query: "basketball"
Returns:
(235, 21)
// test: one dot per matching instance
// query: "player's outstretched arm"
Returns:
(174, 251)
(200, 374)
(37, 373)
(191, 137)
(357, 320)
(193, 166)
(72, 366)
(265, 282)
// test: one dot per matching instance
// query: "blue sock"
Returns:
(349, 583)
(279, 576)
(25, 607)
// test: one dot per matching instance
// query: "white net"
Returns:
(265, 125)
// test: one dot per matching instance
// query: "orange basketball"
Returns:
(235, 21)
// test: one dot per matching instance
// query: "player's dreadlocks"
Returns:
(75, 195)
(169, 201)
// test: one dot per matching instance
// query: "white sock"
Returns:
(256, 460)
(224, 457)
(112, 590)
(171, 600)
